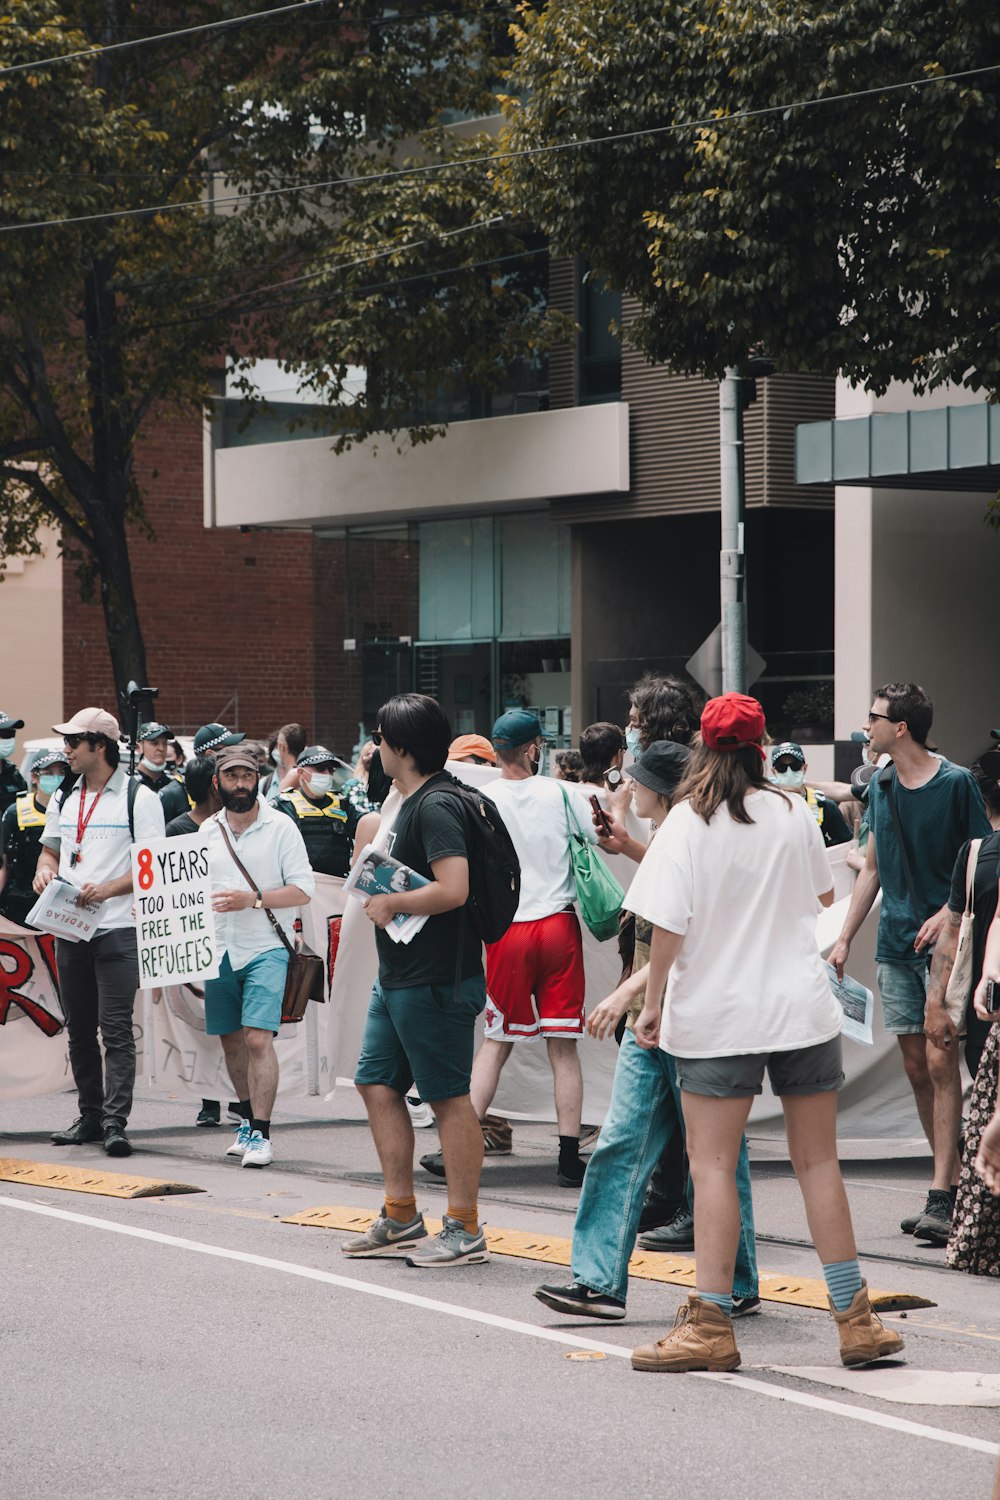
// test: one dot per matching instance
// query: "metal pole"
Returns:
(731, 575)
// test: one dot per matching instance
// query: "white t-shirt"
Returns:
(105, 852)
(535, 815)
(749, 977)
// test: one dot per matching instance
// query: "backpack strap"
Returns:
(887, 781)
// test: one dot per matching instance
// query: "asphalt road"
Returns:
(195, 1344)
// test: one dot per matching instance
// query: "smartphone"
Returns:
(601, 817)
(991, 998)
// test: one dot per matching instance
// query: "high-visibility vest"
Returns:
(28, 814)
(815, 805)
(306, 809)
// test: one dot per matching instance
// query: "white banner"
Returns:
(174, 921)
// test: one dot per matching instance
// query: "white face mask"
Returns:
(632, 739)
(788, 778)
(275, 756)
(151, 765)
(320, 782)
(49, 784)
(6, 748)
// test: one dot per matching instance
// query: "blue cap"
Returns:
(518, 726)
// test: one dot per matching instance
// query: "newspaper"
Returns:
(376, 873)
(858, 1004)
(59, 911)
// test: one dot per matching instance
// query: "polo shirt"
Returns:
(273, 851)
(106, 848)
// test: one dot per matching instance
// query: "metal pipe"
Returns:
(731, 556)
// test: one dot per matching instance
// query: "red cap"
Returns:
(732, 721)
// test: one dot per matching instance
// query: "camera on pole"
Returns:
(139, 701)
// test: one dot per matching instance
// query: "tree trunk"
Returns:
(121, 613)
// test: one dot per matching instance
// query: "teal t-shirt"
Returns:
(936, 819)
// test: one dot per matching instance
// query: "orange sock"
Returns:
(403, 1210)
(469, 1217)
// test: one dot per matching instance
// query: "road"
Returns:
(196, 1344)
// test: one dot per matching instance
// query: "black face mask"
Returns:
(240, 800)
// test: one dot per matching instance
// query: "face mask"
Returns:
(49, 784)
(151, 765)
(632, 740)
(321, 782)
(275, 756)
(788, 778)
(6, 746)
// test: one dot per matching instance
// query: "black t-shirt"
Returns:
(184, 824)
(429, 826)
(984, 905)
(834, 825)
(174, 800)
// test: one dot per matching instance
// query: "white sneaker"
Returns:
(242, 1139)
(258, 1152)
(421, 1114)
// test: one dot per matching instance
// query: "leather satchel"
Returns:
(956, 996)
(305, 979)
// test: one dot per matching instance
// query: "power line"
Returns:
(160, 36)
(370, 179)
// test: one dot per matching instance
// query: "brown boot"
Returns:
(862, 1336)
(701, 1339)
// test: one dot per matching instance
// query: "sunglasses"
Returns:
(72, 740)
(376, 736)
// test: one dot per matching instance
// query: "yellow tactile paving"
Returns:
(88, 1180)
(679, 1270)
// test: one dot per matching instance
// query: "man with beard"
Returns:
(243, 1006)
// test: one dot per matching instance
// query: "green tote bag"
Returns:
(597, 891)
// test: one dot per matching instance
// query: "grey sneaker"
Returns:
(934, 1225)
(453, 1246)
(386, 1237)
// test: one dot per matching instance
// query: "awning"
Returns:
(950, 448)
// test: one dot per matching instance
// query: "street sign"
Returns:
(705, 665)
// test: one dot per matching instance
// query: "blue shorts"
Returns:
(250, 996)
(903, 989)
(424, 1035)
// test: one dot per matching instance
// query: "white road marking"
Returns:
(494, 1320)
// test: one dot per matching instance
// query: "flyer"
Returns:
(858, 1005)
(59, 911)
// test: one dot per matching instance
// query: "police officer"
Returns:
(326, 821)
(151, 768)
(11, 780)
(210, 739)
(788, 770)
(21, 831)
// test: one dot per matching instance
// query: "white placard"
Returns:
(174, 921)
(59, 911)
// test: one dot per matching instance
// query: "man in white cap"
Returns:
(11, 780)
(87, 841)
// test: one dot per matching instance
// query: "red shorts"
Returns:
(542, 962)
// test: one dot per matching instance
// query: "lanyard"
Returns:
(81, 821)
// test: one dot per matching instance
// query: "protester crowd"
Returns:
(721, 977)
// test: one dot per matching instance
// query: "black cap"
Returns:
(316, 755)
(46, 758)
(788, 750)
(660, 767)
(154, 731)
(214, 737)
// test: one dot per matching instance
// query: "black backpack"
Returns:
(494, 868)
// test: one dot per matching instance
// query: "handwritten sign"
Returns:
(174, 921)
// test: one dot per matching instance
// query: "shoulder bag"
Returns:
(956, 996)
(305, 979)
(598, 893)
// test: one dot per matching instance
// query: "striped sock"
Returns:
(843, 1282)
(722, 1300)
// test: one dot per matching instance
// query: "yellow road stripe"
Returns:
(88, 1180)
(679, 1270)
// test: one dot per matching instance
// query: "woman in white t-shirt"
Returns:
(732, 885)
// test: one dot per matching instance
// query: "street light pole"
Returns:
(731, 557)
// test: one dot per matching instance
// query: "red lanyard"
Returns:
(81, 821)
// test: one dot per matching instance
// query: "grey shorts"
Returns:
(803, 1070)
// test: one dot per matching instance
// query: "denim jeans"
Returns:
(645, 1111)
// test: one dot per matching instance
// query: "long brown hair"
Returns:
(714, 777)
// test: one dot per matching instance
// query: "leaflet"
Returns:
(376, 873)
(59, 911)
(858, 1005)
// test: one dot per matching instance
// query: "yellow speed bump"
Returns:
(679, 1270)
(88, 1180)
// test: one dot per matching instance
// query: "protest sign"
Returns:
(174, 921)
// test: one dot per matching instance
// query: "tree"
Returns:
(854, 236)
(226, 193)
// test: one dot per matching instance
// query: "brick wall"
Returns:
(224, 615)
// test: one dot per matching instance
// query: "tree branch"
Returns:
(48, 500)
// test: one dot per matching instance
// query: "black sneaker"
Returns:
(580, 1301)
(210, 1113)
(934, 1227)
(433, 1163)
(571, 1173)
(909, 1224)
(744, 1306)
(655, 1213)
(677, 1235)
